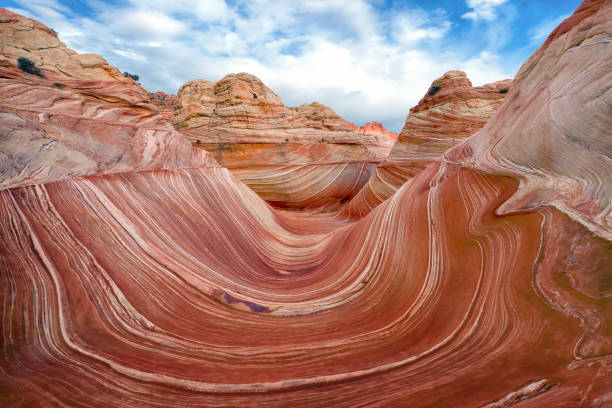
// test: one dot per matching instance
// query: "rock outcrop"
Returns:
(76, 119)
(384, 139)
(302, 157)
(553, 131)
(450, 111)
(172, 287)
(166, 104)
(27, 38)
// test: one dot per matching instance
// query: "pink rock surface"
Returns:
(563, 157)
(302, 157)
(182, 287)
(84, 128)
(166, 104)
(450, 111)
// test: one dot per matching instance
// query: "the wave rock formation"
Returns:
(137, 271)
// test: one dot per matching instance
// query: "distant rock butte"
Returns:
(451, 110)
(165, 103)
(296, 157)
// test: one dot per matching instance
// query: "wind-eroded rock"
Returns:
(306, 156)
(24, 37)
(182, 287)
(554, 129)
(80, 117)
(450, 111)
(49, 133)
(166, 104)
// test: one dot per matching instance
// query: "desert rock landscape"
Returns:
(216, 248)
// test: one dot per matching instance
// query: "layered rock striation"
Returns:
(563, 157)
(302, 157)
(166, 104)
(451, 110)
(173, 287)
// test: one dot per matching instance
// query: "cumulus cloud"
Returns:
(482, 9)
(365, 62)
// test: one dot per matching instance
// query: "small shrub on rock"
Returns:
(133, 76)
(28, 66)
(434, 89)
(58, 85)
(504, 90)
(255, 96)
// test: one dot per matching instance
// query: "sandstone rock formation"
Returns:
(181, 287)
(77, 119)
(450, 111)
(166, 104)
(306, 156)
(50, 133)
(384, 139)
(564, 157)
(24, 37)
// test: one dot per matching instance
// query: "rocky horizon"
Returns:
(217, 248)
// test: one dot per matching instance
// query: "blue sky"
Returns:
(367, 60)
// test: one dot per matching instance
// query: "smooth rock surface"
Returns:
(85, 127)
(163, 286)
(450, 111)
(563, 157)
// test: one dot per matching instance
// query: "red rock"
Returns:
(24, 37)
(563, 156)
(77, 118)
(450, 111)
(85, 128)
(166, 104)
(182, 287)
(385, 139)
(302, 157)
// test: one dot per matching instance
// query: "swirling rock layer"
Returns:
(24, 37)
(166, 305)
(76, 118)
(165, 286)
(83, 127)
(450, 111)
(564, 155)
(303, 157)
(166, 104)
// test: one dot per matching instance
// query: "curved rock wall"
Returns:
(163, 286)
(450, 111)
(554, 129)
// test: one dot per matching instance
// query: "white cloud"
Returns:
(364, 63)
(143, 24)
(130, 54)
(417, 25)
(482, 9)
(208, 10)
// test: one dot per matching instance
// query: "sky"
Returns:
(369, 60)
